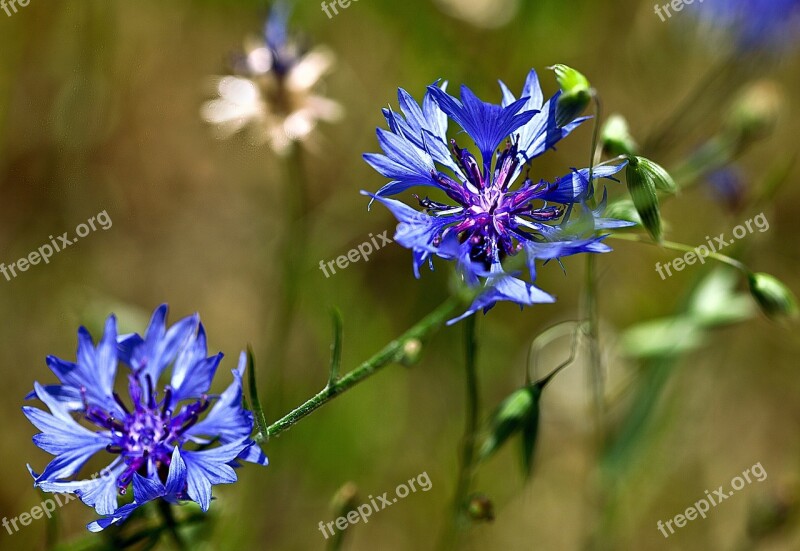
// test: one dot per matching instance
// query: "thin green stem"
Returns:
(391, 353)
(594, 152)
(294, 241)
(592, 313)
(460, 521)
(472, 403)
(171, 525)
(593, 332)
(683, 248)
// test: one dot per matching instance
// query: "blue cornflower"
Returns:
(755, 24)
(160, 444)
(489, 220)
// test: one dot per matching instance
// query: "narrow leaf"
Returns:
(258, 411)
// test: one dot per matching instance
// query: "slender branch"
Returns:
(391, 353)
(683, 248)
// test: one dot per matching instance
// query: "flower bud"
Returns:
(616, 137)
(757, 110)
(774, 298)
(576, 94)
(411, 352)
(642, 188)
(661, 178)
(480, 507)
(511, 417)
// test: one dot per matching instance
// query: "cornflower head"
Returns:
(173, 444)
(487, 217)
(272, 92)
(754, 25)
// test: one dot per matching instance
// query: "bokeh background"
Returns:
(99, 110)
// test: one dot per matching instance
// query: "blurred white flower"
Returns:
(487, 14)
(273, 94)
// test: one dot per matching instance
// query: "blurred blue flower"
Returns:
(755, 24)
(162, 446)
(489, 221)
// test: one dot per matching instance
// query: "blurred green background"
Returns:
(99, 104)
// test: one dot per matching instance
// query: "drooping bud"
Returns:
(642, 188)
(616, 137)
(576, 93)
(774, 298)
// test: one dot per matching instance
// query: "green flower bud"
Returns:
(616, 137)
(576, 93)
(518, 413)
(774, 298)
(642, 188)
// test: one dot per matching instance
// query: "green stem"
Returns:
(294, 241)
(392, 352)
(592, 313)
(171, 525)
(683, 248)
(467, 466)
(451, 537)
(593, 329)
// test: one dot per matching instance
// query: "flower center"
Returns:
(145, 437)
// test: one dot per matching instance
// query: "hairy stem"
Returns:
(392, 352)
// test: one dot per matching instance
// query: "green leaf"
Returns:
(662, 338)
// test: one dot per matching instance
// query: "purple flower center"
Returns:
(145, 437)
(494, 219)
